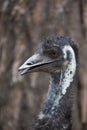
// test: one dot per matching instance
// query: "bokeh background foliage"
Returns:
(23, 24)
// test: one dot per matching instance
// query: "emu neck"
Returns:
(59, 85)
(53, 93)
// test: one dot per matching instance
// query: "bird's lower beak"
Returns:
(34, 63)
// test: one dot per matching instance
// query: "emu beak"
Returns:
(34, 63)
(30, 64)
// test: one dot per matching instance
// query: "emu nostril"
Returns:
(29, 63)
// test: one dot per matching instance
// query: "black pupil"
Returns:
(54, 53)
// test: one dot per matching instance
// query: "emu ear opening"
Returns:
(68, 55)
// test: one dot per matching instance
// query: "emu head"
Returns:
(53, 55)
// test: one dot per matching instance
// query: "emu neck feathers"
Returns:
(59, 84)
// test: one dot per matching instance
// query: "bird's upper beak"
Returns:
(35, 63)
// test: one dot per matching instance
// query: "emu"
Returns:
(57, 56)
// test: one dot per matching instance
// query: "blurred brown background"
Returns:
(23, 24)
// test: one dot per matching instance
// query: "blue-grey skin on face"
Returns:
(56, 56)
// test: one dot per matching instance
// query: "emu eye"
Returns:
(53, 55)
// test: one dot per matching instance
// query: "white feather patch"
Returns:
(41, 116)
(68, 75)
(70, 70)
